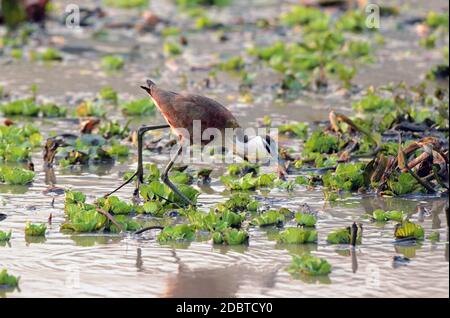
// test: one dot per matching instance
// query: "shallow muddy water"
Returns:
(81, 265)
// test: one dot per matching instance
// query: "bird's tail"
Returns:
(148, 89)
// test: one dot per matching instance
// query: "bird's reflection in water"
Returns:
(217, 282)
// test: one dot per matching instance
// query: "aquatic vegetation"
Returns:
(383, 216)
(114, 205)
(138, 107)
(90, 109)
(5, 236)
(344, 236)
(53, 110)
(170, 31)
(16, 176)
(347, 176)
(23, 107)
(435, 19)
(306, 219)
(171, 48)
(248, 182)
(126, 4)
(352, 20)
(16, 142)
(180, 232)
(241, 169)
(433, 237)
(7, 280)
(117, 149)
(235, 63)
(239, 202)
(74, 197)
(231, 237)
(321, 142)
(35, 229)
(50, 54)
(108, 94)
(309, 265)
(112, 63)
(158, 191)
(405, 183)
(306, 16)
(299, 129)
(83, 218)
(113, 128)
(295, 235)
(409, 230)
(374, 103)
(269, 218)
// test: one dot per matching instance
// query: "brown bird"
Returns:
(180, 112)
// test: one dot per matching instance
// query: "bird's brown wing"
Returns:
(210, 112)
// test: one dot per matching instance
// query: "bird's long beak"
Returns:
(147, 89)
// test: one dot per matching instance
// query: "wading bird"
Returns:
(180, 112)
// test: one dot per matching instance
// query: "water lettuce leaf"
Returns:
(309, 265)
(409, 230)
(305, 219)
(5, 236)
(294, 235)
(269, 218)
(231, 237)
(8, 281)
(180, 232)
(35, 229)
(16, 176)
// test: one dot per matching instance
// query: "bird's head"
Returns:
(149, 87)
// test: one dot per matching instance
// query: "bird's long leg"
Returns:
(165, 178)
(140, 169)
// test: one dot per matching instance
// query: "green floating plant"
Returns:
(321, 142)
(294, 235)
(433, 237)
(50, 54)
(107, 93)
(83, 218)
(249, 182)
(231, 237)
(241, 169)
(16, 176)
(171, 48)
(409, 230)
(383, 216)
(347, 176)
(158, 191)
(233, 64)
(180, 232)
(309, 265)
(344, 236)
(126, 4)
(22, 107)
(112, 63)
(52, 110)
(5, 236)
(8, 281)
(269, 218)
(139, 107)
(299, 129)
(403, 184)
(306, 219)
(114, 205)
(239, 202)
(35, 229)
(112, 129)
(374, 103)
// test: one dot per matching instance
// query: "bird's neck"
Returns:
(253, 149)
